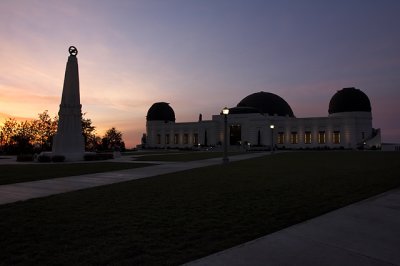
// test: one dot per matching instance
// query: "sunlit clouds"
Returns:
(199, 56)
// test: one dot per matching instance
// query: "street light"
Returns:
(225, 112)
(272, 138)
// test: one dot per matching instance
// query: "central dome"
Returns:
(267, 103)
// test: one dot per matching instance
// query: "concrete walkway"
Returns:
(42, 188)
(365, 233)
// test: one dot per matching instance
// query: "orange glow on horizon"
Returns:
(129, 136)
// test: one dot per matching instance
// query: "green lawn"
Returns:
(175, 218)
(15, 173)
(148, 152)
(183, 156)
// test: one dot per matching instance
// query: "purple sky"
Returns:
(199, 56)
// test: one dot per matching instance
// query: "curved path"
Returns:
(364, 233)
(42, 188)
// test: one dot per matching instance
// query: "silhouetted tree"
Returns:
(22, 140)
(89, 133)
(8, 130)
(37, 135)
(112, 140)
(17, 137)
(45, 128)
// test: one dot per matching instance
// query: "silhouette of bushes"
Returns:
(89, 157)
(24, 158)
(43, 158)
(98, 156)
(58, 158)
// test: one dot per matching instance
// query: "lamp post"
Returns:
(272, 138)
(225, 112)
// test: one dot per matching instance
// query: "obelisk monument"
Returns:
(69, 140)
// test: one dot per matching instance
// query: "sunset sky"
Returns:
(199, 56)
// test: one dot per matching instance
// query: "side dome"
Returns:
(267, 103)
(161, 111)
(349, 100)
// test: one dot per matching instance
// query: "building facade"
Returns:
(348, 125)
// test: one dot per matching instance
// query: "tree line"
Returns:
(37, 135)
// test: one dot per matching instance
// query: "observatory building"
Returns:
(264, 119)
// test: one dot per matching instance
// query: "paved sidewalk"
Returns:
(364, 233)
(42, 188)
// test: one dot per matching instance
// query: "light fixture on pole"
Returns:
(272, 137)
(225, 112)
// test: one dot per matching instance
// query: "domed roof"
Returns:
(161, 111)
(267, 103)
(243, 110)
(349, 100)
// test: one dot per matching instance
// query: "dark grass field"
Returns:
(184, 156)
(15, 173)
(175, 218)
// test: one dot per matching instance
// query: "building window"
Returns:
(294, 138)
(321, 137)
(158, 139)
(235, 134)
(167, 139)
(195, 139)
(185, 138)
(307, 137)
(281, 138)
(176, 139)
(336, 137)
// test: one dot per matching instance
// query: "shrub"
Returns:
(43, 158)
(89, 157)
(58, 158)
(24, 158)
(98, 156)
(104, 156)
